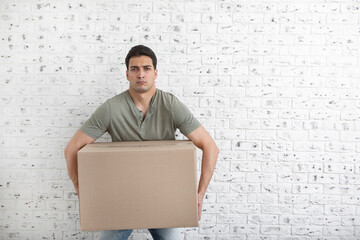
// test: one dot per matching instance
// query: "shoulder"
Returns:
(121, 97)
(166, 97)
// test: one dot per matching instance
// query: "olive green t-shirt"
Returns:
(124, 121)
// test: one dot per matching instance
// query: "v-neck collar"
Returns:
(138, 111)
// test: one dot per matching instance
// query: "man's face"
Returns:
(141, 74)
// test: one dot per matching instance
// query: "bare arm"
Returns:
(201, 138)
(78, 141)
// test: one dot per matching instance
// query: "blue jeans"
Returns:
(157, 234)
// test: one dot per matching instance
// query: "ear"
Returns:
(156, 73)
(127, 75)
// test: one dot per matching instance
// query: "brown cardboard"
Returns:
(137, 185)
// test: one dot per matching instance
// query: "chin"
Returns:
(141, 90)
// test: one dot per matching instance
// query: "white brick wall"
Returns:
(276, 82)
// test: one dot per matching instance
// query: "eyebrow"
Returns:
(140, 66)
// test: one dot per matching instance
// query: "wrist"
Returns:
(201, 194)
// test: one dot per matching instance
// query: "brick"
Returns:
(229, 92)
(245, 81)
(293, 199)
(169, 7)
(219, 229)
(283, 230)
(293, 178)
(248, 18)
(231, 198)
(349, 199)
(262, 237)
(231, 219)
(16, 194)
(11, 215)
(47, 234)
(244, 124)
(308, 209)
(232, 29)
(229, 134)
(203, 28)
(339, 231)
(276, 167)
(307, 188)
(198, 91)
(199, 7)
(231, 236)
(294, 220)
(349, 179)
(208, 218)
(260, 134)
(233, 70)
(293, 114)
(202, 70)
(338, 189)
(229, 6)
(323, 178)
(308, 82)
(325, 220)
(260, 177)
(246, 145)
(186, 17)
(266, 198)
(245, 187)
(61, 225)
(325, 7)
(277, 146)
(247, 60)
(275, 124)
(231, 156)
(276, 188)
(214, 81)
(181, 59)
(309, 146)
(232, 177)
(242, 102)
(263, 219)
(131, 7)
(261, 156)
(352, 221)
(307, 230)
(276, 209)
(217, 17)
(339, 168)
(263, 29)
(262, 113)
(292, 135)
(244, 229)
(308, 167)
(339, 147)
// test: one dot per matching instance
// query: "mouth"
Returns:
(141, 82)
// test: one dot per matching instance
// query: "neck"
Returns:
(142, 100)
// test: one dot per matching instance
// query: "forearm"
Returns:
(71, 161)
(209, 159)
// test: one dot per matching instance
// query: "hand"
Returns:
(200, 202)
(76, 185)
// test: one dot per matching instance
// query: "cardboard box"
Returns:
(137, 185)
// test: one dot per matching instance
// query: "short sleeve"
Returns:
(98, 123)
(183, 118)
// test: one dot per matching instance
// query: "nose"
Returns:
(141, 73)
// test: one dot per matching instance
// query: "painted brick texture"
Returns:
(275, 82)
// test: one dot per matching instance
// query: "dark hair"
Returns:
(140, 50)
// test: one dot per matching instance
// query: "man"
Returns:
(142, 113)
